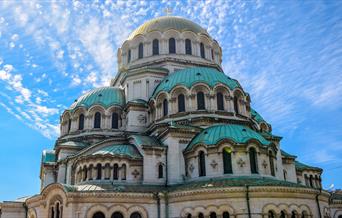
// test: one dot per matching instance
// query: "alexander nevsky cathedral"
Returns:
(172, 137)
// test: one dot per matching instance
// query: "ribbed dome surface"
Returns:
(105, 96)
(190, 76)
(127, 150)
(237, 133)
(165, 23)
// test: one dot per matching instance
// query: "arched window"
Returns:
(172, 46)
(58, 212)
(129, 56)
(202, 50)
(200, 101)
(201, 163)
(188, 49)
(213, 215)
(225, 214)
(227, 161)
(81, 122)
(135, 215)
(285, 174)
(200, 215)
(99, 171)
(294, 214)
(52, 212)
(253, 160)
(270, 157)
(117, 215)
(97, 120)
(115, 121)
(116, 172)
(85, 173)
(98, 215)
(90, 172)
(141, 51)
(181, 103)
(282, 214)
(155, 47)
(219, 98)
(305, 215)
(123, 172)
(212, 55)
(311, 182)
(271, 214)
(189, 216)
(236, 105)
(165, 107)
(69, 125)
(160, 171)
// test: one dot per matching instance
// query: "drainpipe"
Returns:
(156, 195)
(317, 201)
(26, 209)
(166, 168)
(247, 200)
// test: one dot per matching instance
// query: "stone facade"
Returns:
(172, 136)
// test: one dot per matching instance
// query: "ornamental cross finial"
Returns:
(168, 11)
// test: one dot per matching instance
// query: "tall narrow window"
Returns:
(155, 47)
(57, 211)
(115, 120)
(227, 161)
(200, 101)
(270, 157)
(294, 214)
(236, 105)
(90, 172)
(97, 120)
(253, 160)
(282, 214)
(165, 108)
(212, 55)
(189, 216)
(202, 50)
(116, 172)
(141, 51)
(129, 56)
(81, 122)
(220, 104)
(225, 214)
(188, 49)
(172, 46)
(99, 171)
(123, 172)
(52, 212)
(271, 214)
(181, 103)
(201, 164)
(285, 175)
(135, 215)
(85, 173)
(200, 215)
(160, 171)
(69, 125)
(311, 182)
(213, 215)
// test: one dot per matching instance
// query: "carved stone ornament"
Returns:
(142, 118)
(264, 164)
(191, 168)
(213, 164)
(135, 173)
(241, 162)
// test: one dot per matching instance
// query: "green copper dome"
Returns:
(237, 133)
(125, 150)
(165, 23)
(257, 117)
(105, 96)
(190, 76)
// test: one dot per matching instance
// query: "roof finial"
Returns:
(168, 11)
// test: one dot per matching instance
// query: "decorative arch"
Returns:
(95, 209)
(118, 208)
(141, 210)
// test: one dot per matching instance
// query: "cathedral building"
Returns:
(172, 137)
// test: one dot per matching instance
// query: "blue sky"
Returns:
(286, 54)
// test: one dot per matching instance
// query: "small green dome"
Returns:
(257, 117)
(105, 96)
(237, 133)
(165, 23)
(125, 150)
(190, 76)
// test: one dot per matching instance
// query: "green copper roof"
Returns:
(256, 116)
(300, 166)
(120, 150)
(48, 157)
(285, 154)
(190, 76)
(73, 144)
(237, 133)
(142, 140)
(138, 101)
(105, 96)
(165, 23)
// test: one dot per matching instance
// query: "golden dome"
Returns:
(165, 23)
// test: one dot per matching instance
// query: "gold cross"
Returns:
(168, 11)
